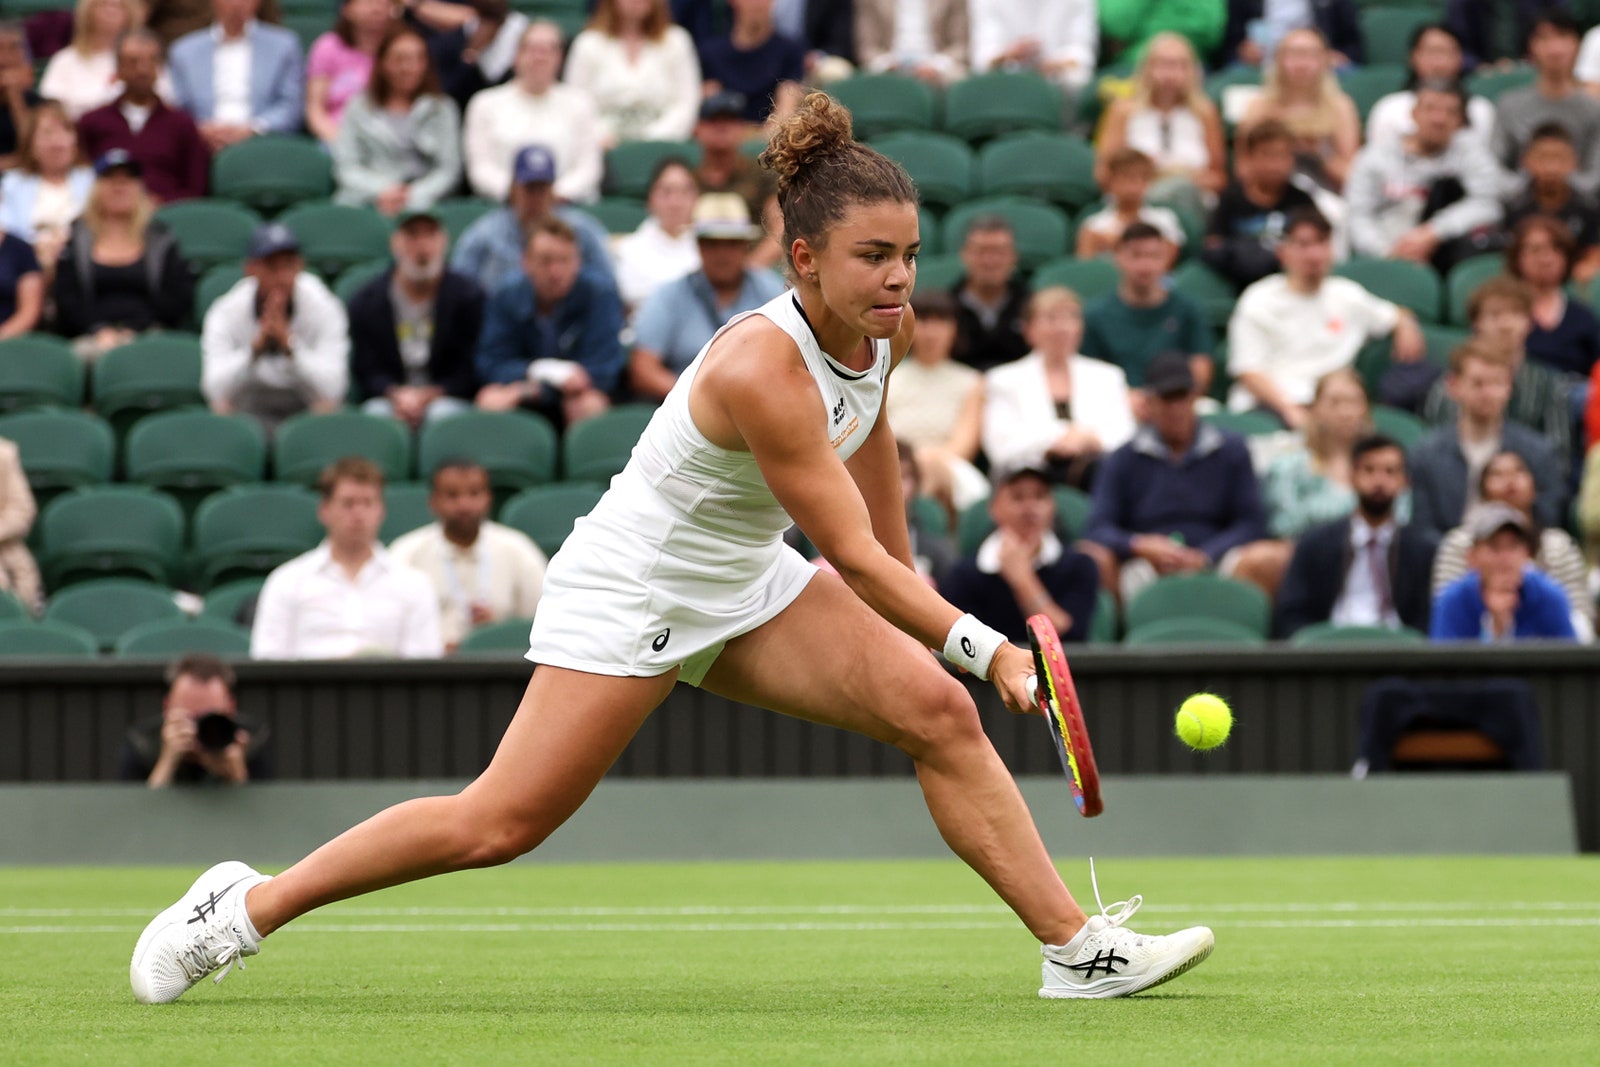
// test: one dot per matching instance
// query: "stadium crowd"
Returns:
(1235, 320)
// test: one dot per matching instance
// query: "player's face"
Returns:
(1023, 506)
(461, 498)
(1482, 389)
(1508, 480)
(1504, 322)
(352, 514)
(1378, 478)
(552, 264)
(869, 265)
(1143, 262)
(1436, 57)
(1307, 255)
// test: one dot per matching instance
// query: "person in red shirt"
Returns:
(162, 138)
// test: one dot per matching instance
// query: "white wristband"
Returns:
(971, 645)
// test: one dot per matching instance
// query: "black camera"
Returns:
(215, 730)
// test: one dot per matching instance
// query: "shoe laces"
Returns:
(213, 946)
(1119, 912)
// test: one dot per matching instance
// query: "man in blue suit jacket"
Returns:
(1366, 570)
(239, 77)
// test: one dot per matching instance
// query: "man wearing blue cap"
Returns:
(491, 249)
(278, 342)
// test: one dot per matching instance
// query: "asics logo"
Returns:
(1102, 962)
(838, 411)
(661, 639)
(968, 649)
(208, 907)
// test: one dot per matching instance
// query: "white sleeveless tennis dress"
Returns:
(685, 551)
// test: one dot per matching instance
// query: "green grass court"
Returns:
(1453, 961)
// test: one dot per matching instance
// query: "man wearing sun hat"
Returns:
(678, 319)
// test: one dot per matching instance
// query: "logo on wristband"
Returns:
(968, 649)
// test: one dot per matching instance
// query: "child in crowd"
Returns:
(1252, 210)
(1129, 173)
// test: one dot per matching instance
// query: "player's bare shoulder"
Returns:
(753, 364)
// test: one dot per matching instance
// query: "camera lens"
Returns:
(215, 731)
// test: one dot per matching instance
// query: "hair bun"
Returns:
(820, 127)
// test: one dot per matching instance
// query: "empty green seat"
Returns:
(1041, 229)
(1203, 595)
(618, 214)
(273, 171)
(1400, 425)
(1408, 284)
(546, 513)
(192, 452)
(209, 232)
(150, 373)
(354, 279)
(60, 449)
(1057, 167)
(939, 272)
(1366, 85)
(1088, 278)
(518, 449)
(111, 607)
(405, 508)
(1328, 633)
(1210, 289)
(943, 167)
(247, 530)
(1191, 630)
(306, 444)
(212, 285)
(1489, 84)
(630, 164)
(336, 236)
(21, 639)
(984, 106)
(1386, 32)
(1464, 279)
(883, 103)
(1443, 340)
(1103, 628)
(1253, 423)
(38, 370)
(170, 638)
(509, 636)
(227, 602)
(111, 531)
(596, 449)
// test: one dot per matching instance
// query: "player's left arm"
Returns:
(876, 467)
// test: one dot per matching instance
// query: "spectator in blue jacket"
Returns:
(1504, 598)
(1180, 497)
(262, 84)
(550, 338)
(1256, 26)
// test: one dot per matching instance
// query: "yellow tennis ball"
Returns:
(1204, 721)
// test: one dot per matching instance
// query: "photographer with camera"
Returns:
(199, 737)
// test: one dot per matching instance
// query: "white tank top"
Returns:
(1174, 139)
(709, 507)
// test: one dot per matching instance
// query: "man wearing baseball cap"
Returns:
(278, 342)
(678, 319)
(1504, 598)
(490, 251)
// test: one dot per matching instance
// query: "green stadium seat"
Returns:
(170, 638)
(227, 601)
(1103, 628)
(355, 278)
(928, 229)
(12, 608)
(111, 531)
(405, 508)
(1191, 630)
(630, 164)
(37, 370)
(1072, 518)
(943, 167)
(883, 103)
(60, 449)
(272, 171)
(1401, 425)
(334, 237)
(1443, 340)
(212, 285)
(1210, 289)
(1490, 84)
(247, 530)
(459, 212)
(939, 272)
(1204, 595)
(111, 607)
(1386, 32)
(546, 512)
(21, 639)
(985, 106)
(307, 25)
(1088, 278)
(1253, 423)
(1327, 633)
(1366, 85)
(596, 450)
(518, 449)
(618, 214)
(1464, 279)
(209, 232)
(1055, 167)
(930, 515)
(191, 453)
(150, 373)
(306, 444)
(498, 638)
(1041, 229)
(1408, 284)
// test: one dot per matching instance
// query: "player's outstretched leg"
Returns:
(567, 732)
(829, 659)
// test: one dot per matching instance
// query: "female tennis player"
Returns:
(680, 574)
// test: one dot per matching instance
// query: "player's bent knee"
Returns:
(944, 716)
(493, 841)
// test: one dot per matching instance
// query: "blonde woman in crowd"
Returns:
(1301, 92)
(640, 69)
(83, 75)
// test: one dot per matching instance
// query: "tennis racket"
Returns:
(1058, 699)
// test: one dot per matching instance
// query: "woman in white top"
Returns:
(640, 69)
(1302, 93)
(45, 194)
(1054, 409)
(1170, 119)
(681, 574)
(83, 75)
(663, 248)
(1435, 56)
(936, 406)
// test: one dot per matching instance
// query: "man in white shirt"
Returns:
(348, 596)
(534, 108)
(481, 571)
(278, 342)
(1058, 38)
(1290, 329)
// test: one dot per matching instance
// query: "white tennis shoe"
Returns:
(205, 930)
(1106, 959)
